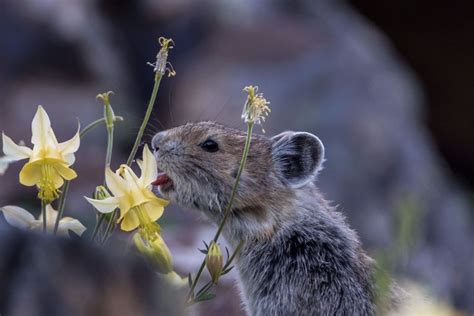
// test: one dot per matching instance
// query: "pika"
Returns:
(299, 255)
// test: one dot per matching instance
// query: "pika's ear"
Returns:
(298, 156)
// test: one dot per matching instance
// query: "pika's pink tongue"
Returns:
(161, 179)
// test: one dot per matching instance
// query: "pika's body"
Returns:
(299, 256)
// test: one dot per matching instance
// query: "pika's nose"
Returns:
(157, 141)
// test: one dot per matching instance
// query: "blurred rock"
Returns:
(43, 275)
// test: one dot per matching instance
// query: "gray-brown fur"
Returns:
(300, 257)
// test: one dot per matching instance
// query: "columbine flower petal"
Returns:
(64, 226)
(70, 146)
(115, 183)
(130, 222)
(17, 216)
(4, 163)
(130, 177)
(52, 171)
(30, 174)
(154, 209)
(14, 151)
(42, 134)
(149, 168)
(105, 206)
(67, 223)
(65, 172)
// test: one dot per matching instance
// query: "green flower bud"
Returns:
(101, 193)
(108, 111)
(214, 261)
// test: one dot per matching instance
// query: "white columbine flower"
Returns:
(21, 218)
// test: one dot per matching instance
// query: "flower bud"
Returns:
(101, 193)
(108, 111)
(214, 261)
(156, 250)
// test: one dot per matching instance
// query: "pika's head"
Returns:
(199, 163)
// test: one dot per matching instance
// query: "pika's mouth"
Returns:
(163, 182)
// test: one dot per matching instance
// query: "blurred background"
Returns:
(386, 85)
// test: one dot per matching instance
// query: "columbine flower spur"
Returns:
(49, 161)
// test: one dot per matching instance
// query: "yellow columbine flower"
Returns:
(175, 279)
(49, 161)
(21, 218)
(155, 249)
(132, 195)
(256, 106)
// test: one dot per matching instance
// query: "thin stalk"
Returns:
(43, 212)
(237, 180)
(110, 145)
(229, 206)
(62, 201)
(110, 227)
(149, 109)
(86, 129)
(205, 288)
(97, 226)
(108, 160)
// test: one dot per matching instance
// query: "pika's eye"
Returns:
(210, 146)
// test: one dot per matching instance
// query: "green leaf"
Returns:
(205, 297)
(227, 251)
(227, 270)
(190, 280)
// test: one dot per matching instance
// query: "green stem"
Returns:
(229, 205)
(110, 227)
(97, 226)
(205, 288)
(86, 129)
(110, 145)
(149, 109)
(43, 212)
(62, 201)
(237, 180)
(108, 160)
